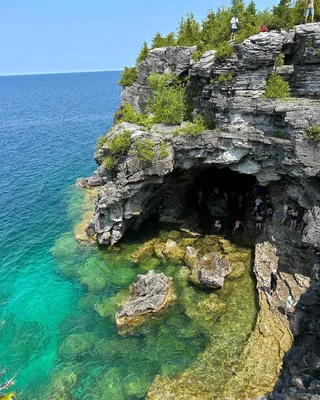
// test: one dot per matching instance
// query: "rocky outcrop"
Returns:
(210, 271)
(151, 293)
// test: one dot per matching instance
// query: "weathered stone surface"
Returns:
(191, 256)
(173, 251)
(210, 271)
(151, 293)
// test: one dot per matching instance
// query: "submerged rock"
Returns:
(191, 256)
(172, 251)
(151, 293)
(210, 271)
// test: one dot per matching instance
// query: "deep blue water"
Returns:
(49, 125)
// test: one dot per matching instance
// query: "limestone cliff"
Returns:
(253, 135)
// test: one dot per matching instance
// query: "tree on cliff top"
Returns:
(189, 31)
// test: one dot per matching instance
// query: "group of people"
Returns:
(309, 12)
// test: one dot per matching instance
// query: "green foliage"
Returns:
(127, 114)
(224, 50)
(318, 53)
(121, 144)
(277, 87)
(101, 141)
(110, 163)
(160, 41)
(128, 76)
(145, 150)
(279, 61)
(246, 31)
(308, 44)
(163, 150)
(200, 124)
(168, 103)
(223, 78)
(279, 135)
(189, 31)
(313, 133)
(143, 53)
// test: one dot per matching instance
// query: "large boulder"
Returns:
(210, 271)
(151, 293)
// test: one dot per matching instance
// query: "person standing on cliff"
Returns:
(273, 282)
(288, 305)
(309, 10)
(234, 26)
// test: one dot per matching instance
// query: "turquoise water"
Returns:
(58, 298)
(59, 330)
(48, 129)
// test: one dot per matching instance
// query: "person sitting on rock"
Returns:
(294, 219)
(237, 225)
(309, 10)
(264, 28)
(217, 225)
(234, 27)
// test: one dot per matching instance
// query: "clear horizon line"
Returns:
(63, 72)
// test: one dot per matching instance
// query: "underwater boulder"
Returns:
(144, 251)
(172, 251)
(151, 293)
(210, 271)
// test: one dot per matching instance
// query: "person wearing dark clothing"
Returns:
(273, 283)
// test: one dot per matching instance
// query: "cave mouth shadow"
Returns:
(223, 194)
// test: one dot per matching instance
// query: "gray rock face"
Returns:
(150, 294)
(166, 59)
(210, 271)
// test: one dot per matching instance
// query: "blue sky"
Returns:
(40, 36)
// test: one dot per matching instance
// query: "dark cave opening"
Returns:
(224, 195)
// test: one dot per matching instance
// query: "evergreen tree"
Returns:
(189, 31)
(143, 53)
(208, 28)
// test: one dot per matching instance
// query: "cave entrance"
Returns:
(220, 193)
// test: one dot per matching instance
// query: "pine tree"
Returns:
(143, 53)
(189, 31)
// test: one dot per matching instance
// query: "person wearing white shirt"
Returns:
(234, 27)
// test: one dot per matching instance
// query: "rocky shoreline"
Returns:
(253, 136)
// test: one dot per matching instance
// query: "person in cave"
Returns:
(273, 282)
(285, 214)
(237, 225)
(269, 207)
(218, 225)
(294, 219)
(259, 220)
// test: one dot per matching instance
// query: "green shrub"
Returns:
(168, 103)
(277, 87)
(194, 128)
(143, 53)
(245, 32)
(121, 144)
(145, 150)
(313, 133)
(101, 141)
(308, 44)
(224, 50)
(163, 150)
(127, 114)
(223, 78)
(109, 162)
(279, 61)
(128, 76)
(318, 53)
(279, 135)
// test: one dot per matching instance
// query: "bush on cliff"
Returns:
(110, 163)
(145, 150)
(168, 103)
(277, 87)
(128, 76)
(163, 150)
(100, 142)
(224, 50)
(127, 114)
(121, 144)
(199, 125)
(313, 133)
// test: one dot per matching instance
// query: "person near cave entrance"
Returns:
(294, 219)
(285, 214)
(237, 225)
(273, 283)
